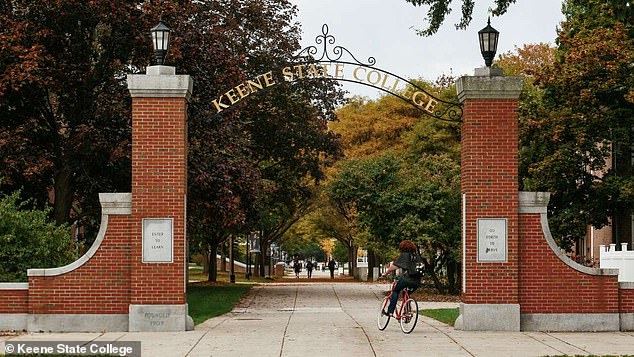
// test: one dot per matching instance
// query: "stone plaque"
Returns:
(158, 240)
(157, 317)
(492, 240)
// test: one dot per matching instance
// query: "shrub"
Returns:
(29, 240)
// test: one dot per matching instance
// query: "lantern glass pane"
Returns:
(166, 39)
(159, 40)
(154, 43)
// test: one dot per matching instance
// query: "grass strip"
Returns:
(207, 301)
(447, 316)
(196, 275)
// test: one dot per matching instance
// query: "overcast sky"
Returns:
(386, 30)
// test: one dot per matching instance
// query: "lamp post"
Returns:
(232, 273)
(160, 41)
(248, 256)
(488, 37)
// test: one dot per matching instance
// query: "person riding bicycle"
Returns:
(410, 278)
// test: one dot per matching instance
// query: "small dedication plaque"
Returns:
(492, 239)
(158, 240)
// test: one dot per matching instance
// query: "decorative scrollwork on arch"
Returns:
(451, 112)
(326, 40)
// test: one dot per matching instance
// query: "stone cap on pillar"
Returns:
(160, 82)
(488, 72)
(533, 202)
(488, 83)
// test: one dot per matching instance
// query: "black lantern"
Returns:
(160, 41)
(488, 43)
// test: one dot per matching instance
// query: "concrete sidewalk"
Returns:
(339, 319)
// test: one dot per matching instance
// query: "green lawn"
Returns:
(207, 301)
(447, 316)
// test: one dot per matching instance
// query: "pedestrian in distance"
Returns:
(331, 267)
(309, 269)
(297, 267)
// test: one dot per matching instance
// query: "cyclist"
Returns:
(410, 278)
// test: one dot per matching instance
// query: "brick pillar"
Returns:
(159, 188)
(490, 201)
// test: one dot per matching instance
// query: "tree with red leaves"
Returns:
(65, 109)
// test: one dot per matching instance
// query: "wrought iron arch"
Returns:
(328, 53)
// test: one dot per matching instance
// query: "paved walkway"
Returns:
(339, 319)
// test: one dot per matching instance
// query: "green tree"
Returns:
(300, 243)
(375, 197)
(576, 131)
(366, 128)
(402, 199)
(335, 220)
(340, 253)
(439, 9)
(29, 240)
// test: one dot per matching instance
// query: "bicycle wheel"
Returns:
(382, 319)
(409, 316)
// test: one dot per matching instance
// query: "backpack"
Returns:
(415, 258)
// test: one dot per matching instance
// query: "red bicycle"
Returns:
(406, 311)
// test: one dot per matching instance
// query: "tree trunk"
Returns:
(63, 187)
(459, 277)
(452, 273)
(253, 264)
(223, 257)
(261, 262)
(213, 266)
(352, 260)
(206, 254)
(371, 264)
(232, 264)
(267, 258)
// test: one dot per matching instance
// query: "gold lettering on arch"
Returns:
(243, 90)
(361, 74)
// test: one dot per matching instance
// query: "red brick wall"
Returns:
(159, 185)
(548, 285)
(14, 301)
(489, 180)
(101, 286)
(626, 300)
